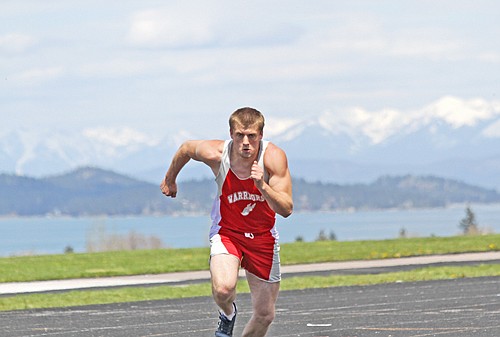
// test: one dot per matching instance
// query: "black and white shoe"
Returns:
(225, 328)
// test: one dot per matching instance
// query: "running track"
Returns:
(455, 308)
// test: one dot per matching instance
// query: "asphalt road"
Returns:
(458, 308)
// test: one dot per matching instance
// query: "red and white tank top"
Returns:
(239, 206)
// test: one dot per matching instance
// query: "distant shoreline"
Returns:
(207, 212)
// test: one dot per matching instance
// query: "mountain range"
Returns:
(91, 191)
(452, 138)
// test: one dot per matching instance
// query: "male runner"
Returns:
(253, 185)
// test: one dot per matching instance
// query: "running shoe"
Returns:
(225, 328)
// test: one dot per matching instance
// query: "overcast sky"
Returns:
(163, 66)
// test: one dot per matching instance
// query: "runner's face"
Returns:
(246, 140)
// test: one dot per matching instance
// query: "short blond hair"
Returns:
(247, 117)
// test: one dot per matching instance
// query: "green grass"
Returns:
(331, 251)
(50, 267)
(67, 266)
(420, 274)
(132, 294)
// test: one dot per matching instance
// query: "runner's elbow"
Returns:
(287, 211)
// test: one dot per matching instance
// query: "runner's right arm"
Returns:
(206, 151)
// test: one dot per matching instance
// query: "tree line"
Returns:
(92, 191)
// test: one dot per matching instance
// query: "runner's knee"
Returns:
(264, 316)
(223, 291)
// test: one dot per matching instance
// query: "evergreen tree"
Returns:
(468, 224)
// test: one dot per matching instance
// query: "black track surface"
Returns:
(455, 308)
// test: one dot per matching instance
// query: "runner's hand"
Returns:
(257, 174)
(169, 189)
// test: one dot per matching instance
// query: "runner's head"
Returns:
(247, 118)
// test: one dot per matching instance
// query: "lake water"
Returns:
(46, 235)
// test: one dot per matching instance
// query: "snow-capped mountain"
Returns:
(447, 127)
(452, 138)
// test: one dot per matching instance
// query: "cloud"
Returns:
(425, 43)
(489, 57)
(493, 130)
(173, 58)
(370, 35)
(37, 75)
(16, 42)
(191, 25)
(115, 68)
(171, 28)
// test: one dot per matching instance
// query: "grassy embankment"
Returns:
(31, 268)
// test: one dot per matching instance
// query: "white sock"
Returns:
(229, 317)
